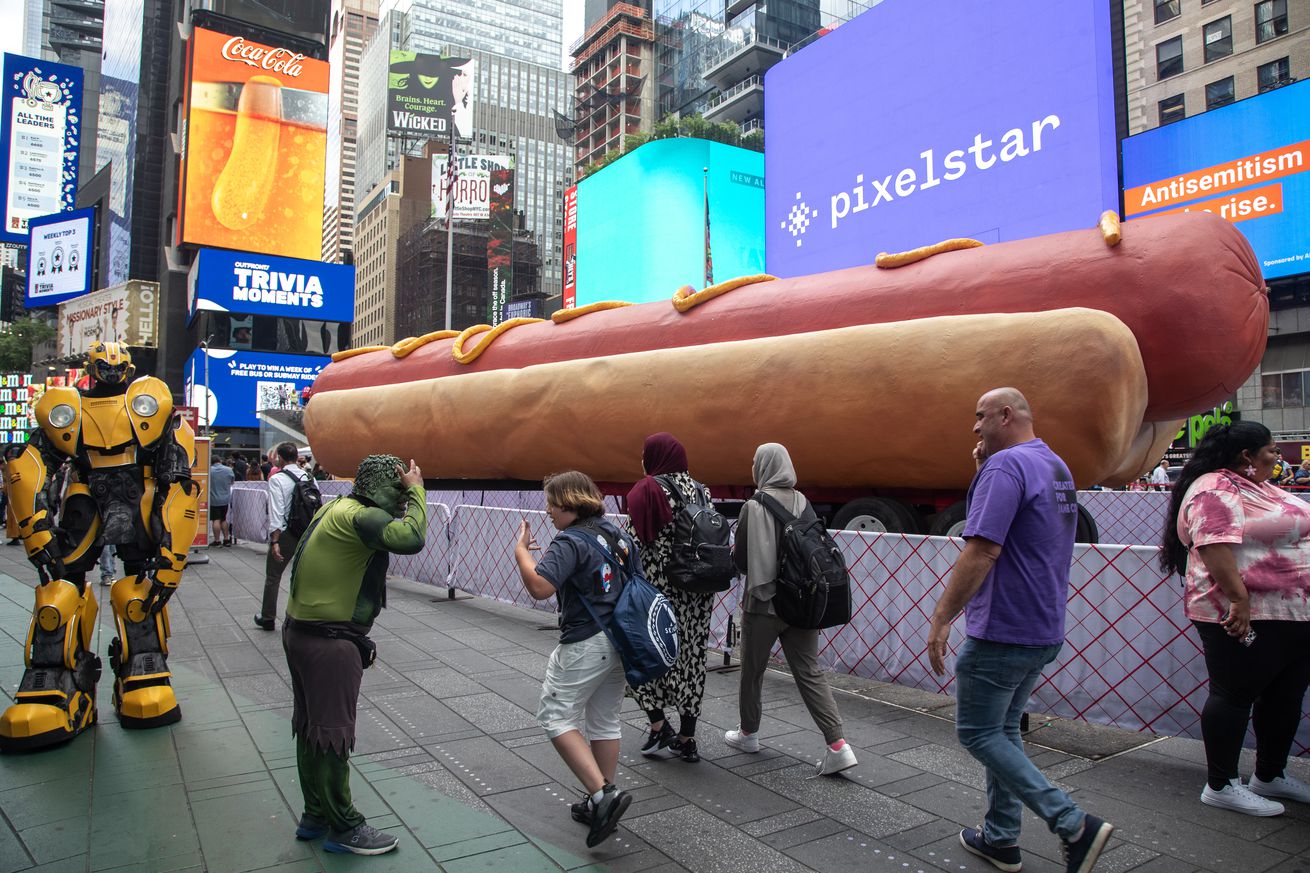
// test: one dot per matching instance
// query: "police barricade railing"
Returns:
(431, 565)
(1127, 517)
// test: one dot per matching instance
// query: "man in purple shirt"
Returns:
(1012, 581)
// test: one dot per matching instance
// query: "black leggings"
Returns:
(1271, 675)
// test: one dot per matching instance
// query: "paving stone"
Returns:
(522, 690)
(470, 662)
(908, 786)
(722, 793)
(57, 840)
(486, 766)
(935, 831)
(375, 732)
(493, 714)
(844, 801)
(853, 850)
(780, 822)
(205, 754)
(151, 835)
(262, 689)
(710, 845)
(801, 834)
(443, 682)
(420, 716)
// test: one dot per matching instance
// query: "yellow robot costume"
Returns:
(129, 484)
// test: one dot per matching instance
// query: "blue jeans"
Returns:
(992, 685)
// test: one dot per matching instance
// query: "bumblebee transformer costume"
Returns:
(130, 486)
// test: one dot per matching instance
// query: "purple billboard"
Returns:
(918, 122)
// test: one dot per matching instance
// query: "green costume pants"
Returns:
(325, 784)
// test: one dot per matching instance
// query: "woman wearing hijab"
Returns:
(651, 506)
(756, 554)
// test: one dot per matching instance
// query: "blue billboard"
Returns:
(40, 131)
(1248, 162)
(60, 262)
(641, 221)
(918, 122)
(252, 284)
(116, 127)
(242, 384)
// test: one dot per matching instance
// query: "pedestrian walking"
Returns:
(756, 554)
(108, 571)
(583, 690)
(1012, 581)
(338, 587)
(1242, 545)
(221, 477)
(651, 508)
(281, 541)
(240, 467)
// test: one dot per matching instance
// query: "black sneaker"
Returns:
(581, 811)
(658, 741)
(1081, 854)
(1007, 858)
(685, 749)
(265, 623)
(606, 814)
(311, 827)
(363, 840)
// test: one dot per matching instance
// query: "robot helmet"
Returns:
(110, 363)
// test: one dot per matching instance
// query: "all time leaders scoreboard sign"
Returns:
(40, 130)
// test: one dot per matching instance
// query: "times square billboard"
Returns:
(1248, 162)
(918, 122)
(255, 150)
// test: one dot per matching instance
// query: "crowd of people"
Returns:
(1241, 543)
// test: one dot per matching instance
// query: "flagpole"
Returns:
(450, 226)
(709, 264)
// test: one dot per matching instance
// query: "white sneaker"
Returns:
(835, 762)
(1238, 798)
(1286, 787)
(742, 741)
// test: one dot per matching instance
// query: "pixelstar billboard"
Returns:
(243, 383)
(918, 122)
(1248, 162)
(641, 221)
(255, 148)
(223, 281)
(59, 258)
(40, 131)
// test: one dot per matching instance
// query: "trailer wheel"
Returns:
(1087, 531)
(950, 521)
(876, 515)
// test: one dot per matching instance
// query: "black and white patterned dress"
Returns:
(682, 687)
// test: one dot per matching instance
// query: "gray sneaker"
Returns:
(363, 840)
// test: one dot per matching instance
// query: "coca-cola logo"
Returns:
(277, 60)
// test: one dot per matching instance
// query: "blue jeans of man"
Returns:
(992, 684)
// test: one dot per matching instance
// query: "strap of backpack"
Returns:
(776, 509)
(666, 479)
(580, 537)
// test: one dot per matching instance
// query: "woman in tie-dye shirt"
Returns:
(1243, 546)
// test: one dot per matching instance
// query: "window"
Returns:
(1165, 10)
(1219, 93)
(1169, 58)
(1274, 74)
(1219, 39)
(1172, 109)
(1270, 19)
(1292, 390)
(1281, 390)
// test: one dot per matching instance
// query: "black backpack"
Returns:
(813, 590)
(701, 561)
(306, 500)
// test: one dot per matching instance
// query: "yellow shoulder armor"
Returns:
(149, 407)
(59, 413)
(186, 438)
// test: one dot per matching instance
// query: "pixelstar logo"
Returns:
(256, 283)
(1015, 143)
(262, 57)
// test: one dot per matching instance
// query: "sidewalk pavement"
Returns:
(449, 758)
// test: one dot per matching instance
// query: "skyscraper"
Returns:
(353, 24)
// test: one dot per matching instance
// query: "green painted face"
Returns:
(378, 480)
(429, 82)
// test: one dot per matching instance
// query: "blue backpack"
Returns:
(644, 627)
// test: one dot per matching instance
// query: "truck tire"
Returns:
(877, 515)
(1087, 531)
(949, 522)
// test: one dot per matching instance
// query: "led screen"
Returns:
(918, 122)
(256, 147)
(223, 281)
(59, 257)
(1249, 162)
(641, 226)
(243, 383)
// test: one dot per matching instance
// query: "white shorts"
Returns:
(583, 690)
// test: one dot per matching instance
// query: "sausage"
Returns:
(1187, 285)
(854, 405)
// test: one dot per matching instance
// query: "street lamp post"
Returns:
(204, 344)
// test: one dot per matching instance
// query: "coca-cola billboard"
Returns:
(254, 148)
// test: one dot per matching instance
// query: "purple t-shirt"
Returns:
(1024, 499)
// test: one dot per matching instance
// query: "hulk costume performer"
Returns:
(338, 587)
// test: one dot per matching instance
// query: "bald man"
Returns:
(1012, 581)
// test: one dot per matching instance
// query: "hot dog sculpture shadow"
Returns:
(868, 375)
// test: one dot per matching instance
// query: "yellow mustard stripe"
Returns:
(350, 353)
(487, 336)
(405, 346)
(560, 316)
(1109, 227)
(900, 259)
(685, 298)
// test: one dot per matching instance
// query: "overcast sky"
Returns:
(572, 26)
(11, 25)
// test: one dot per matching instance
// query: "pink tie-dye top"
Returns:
(1269, 531)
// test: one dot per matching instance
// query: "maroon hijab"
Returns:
(648, 507)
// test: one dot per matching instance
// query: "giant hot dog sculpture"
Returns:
(857, 371)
